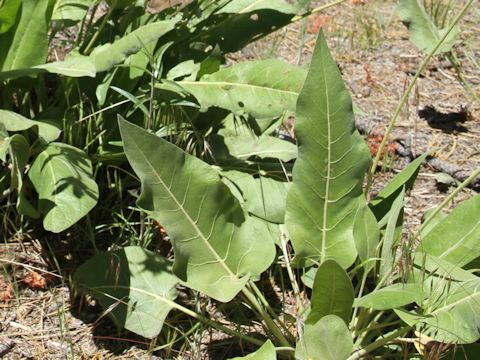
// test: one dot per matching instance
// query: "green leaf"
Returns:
(266, 352)
(62, 176)
(29, 46)
(329, 171)
(74, 65)
(423, 32)
(19, 150)
(107, 56)
(308, 277)
(8, 14)
(16, 122)
(4, 142)
(383, 201)
(135, 284)
(186, 70)
(453, 317)
(456, 238)
(71, 11)
(366, 234)
(428, 267)
(332, 293)
(263, 89)
(218, 248)
(328, 339)
(408, 317)
(392, 297)
(245, 146)
(248, 6)
(392, 234)
(433, 222)
(263, 196)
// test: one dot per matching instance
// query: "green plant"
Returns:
(145, 99)
(152, 68)
(365, 299)
(430, 22)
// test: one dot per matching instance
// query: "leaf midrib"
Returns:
(327, 180)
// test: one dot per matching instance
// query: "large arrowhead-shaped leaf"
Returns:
(423, 32)
(62, 176)
(137, 285)
(329, 171)
(263, 89)
(217, 246)
(108, 55)
(456, 238)
(332, 293)
(328, 339)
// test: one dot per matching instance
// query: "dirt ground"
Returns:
(377, 60)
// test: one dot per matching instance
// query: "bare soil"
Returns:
(377, 60)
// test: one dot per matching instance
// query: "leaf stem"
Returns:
(192, 314)
(354, 322)
(265, 303)
(291, 275)
(268, 320)
(407, 92)
(216, 325)
(378, 343)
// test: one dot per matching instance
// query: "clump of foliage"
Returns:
(145, 99)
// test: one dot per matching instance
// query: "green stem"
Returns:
(190, 313)
(291, 275)
(378, 343)
(354, 322)
(405, 96)
(317, 9)
(265, 303)
(100, 28)
(216, 325)
(268, 320)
